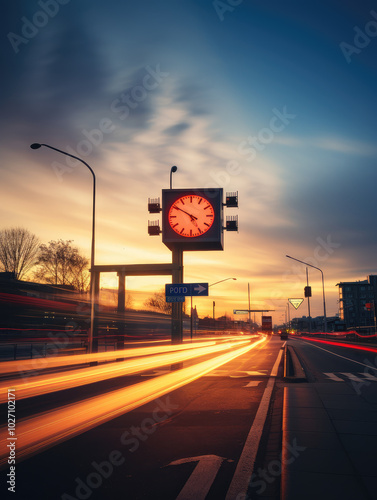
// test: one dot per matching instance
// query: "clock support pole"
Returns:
(177, 307)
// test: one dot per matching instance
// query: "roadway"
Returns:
(210, 424)
(184, 441)
(333, 420)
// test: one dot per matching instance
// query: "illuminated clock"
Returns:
(192, 219)
(191, 216)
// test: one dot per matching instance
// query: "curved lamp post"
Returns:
(323, 288)
(173, 169)
(216, 282)
(90, 339)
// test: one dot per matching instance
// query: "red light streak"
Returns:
(36, 302)
(341, 344)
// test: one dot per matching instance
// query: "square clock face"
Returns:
(192, 219)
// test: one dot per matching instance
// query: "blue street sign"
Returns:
(186, 290)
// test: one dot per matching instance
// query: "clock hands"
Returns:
(192, 217)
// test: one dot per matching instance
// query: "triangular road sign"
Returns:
(296, 303)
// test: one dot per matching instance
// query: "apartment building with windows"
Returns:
(357, 300)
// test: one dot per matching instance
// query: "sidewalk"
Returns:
(329, 443)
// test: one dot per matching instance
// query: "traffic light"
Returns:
(308, 291)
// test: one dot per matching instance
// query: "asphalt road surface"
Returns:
(333, 420)
(217, 437)
(188, 443)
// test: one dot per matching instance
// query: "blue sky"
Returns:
(273, 100)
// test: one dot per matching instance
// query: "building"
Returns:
(306, 324)
(357, 301)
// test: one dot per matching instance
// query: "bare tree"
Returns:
(18, 251)
(158, 303)
(61, 264)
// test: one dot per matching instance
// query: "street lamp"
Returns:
(216, 283)
(323, 288)
(90, 339)
(173, 169)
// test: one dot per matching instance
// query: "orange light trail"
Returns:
(24, 365)
(50, 428)
(45, 384)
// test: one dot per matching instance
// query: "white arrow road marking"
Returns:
(200, 481)
(200, 288)
(333, 377)
(253, 383)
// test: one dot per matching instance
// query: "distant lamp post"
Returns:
(173, 169)
(213, 304)
(323, 288)
(216, 283)
(226, 279)
(90, 339)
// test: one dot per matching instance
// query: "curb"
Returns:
(293, 370)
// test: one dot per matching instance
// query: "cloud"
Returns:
(342, 145)
(177, 129)
(196, 98)
(346, 146)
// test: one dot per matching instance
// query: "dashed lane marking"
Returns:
(364, 377)
(333, 377)
(253, 383)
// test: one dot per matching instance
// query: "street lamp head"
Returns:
(35, 145)
(173, 169)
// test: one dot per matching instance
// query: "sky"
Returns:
(275, 100)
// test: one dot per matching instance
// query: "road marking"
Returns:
(244, 374)
(201, 480)
(333, 377)
(353, 377)
(217, 373)
(369, 376)
(253, 383)
(241, 478)
(339, 356)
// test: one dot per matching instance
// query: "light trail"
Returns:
(342, 344)
(24, 365)
(45, 384)
(48, 429)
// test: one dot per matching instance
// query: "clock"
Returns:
(192, 219)
(191, 216)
